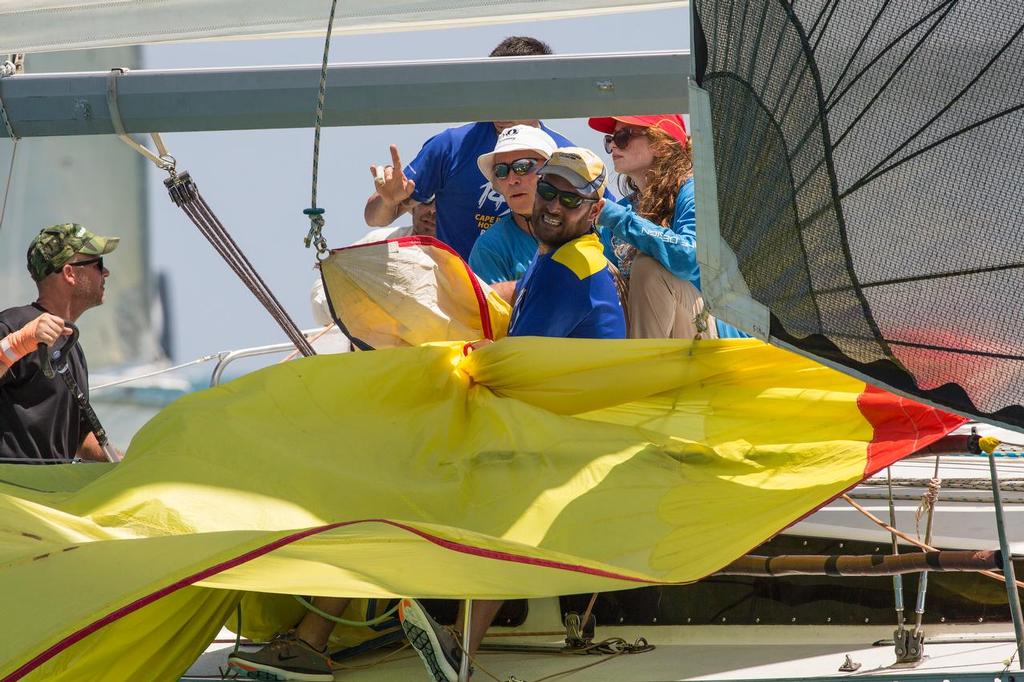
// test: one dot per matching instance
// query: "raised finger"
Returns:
(396, 160)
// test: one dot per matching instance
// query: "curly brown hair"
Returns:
(673, 165)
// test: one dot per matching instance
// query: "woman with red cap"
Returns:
(652, 230)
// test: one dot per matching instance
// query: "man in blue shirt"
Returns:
(569, 289)
(446, 167)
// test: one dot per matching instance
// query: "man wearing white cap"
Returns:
(503, 253)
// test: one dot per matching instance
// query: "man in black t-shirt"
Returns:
(40, 420)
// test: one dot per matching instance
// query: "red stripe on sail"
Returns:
(901, 426)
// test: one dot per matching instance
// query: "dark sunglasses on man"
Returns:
(98, 262)
(620, 138)
(569, 200)
(520, 167)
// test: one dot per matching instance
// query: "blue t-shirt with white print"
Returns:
(446, 168)
(502, 253)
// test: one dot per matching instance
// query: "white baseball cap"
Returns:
(514, 139)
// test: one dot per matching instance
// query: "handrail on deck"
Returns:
(226, 358)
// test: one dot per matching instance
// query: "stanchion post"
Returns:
(467, 628)
(1008, 572)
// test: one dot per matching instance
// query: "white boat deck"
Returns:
(712, 653)
(700, 652)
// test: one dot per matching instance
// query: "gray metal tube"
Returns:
(227, 357)
(922, 586)
(897, 580)
(387, 93)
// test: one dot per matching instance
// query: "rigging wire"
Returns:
(185, 194)
(165, 370)
(913, 541)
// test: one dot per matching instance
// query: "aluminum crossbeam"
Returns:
(556, 86)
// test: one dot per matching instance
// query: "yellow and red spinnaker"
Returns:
(530, 467)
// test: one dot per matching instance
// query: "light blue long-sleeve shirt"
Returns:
(675, 246)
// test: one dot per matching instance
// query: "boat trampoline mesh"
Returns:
(869, 159)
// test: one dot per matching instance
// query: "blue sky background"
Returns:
(258, 182)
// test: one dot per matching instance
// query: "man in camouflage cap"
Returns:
(42, 420)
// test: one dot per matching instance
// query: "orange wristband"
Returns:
(17, 345)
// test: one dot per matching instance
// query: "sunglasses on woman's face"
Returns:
(520, 167)
(620, 138)
(547, 192)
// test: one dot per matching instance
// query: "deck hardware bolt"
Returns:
(82, 109)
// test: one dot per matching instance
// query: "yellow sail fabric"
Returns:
(530, 467)
(409, 291)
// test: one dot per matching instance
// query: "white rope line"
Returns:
(7, 69)
(10, 176)
(197, 361)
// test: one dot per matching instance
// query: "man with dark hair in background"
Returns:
(520, 46)
(467, 203)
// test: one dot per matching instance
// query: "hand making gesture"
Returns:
(392, 185)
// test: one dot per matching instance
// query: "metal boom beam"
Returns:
(557, 86)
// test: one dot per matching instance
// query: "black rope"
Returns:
(824, 27)
(857, 50)
(895, 72)
(883, 52)
(824, 8)
(876, 173)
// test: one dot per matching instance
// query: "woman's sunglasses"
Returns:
(520, 167)
(620, 138)
(98, 262)
(547, 192)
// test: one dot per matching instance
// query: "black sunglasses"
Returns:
(547, 192)
(520, 167)
(620, 138)
(98, 262)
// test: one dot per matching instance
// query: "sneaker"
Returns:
(437, 646)
(286, 657)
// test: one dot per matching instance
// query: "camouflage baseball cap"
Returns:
(55, 245)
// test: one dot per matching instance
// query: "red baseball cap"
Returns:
(672, 124)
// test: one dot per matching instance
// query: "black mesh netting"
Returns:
(869, 157)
